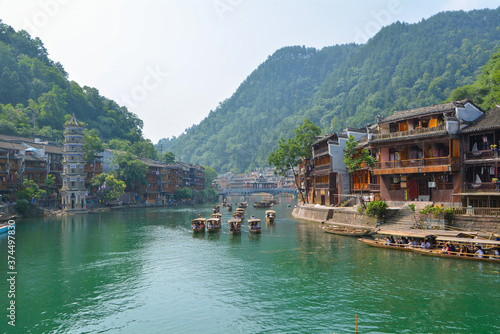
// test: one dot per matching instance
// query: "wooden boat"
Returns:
(234, 226)
(229, 207)
(4, 228)
(489, 248)
(382, 244)
(217, 215)
(198, 224)
(263, 204)
(243, 205)
(213, 224)
(216, 208)
(348, 231)
(4, 218)
(239, 213)
(270, 216)
(254, 225)
(411, 235)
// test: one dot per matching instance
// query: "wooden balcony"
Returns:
(409, 133)
(321, 151)
(323, 169)
(422, 165)
(483, 212)
(480, 187)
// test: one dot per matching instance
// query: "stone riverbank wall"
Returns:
(344, 216)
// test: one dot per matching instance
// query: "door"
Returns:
(412, 189)
(423, 187)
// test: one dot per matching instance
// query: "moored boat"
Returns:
(474, 249)
(270, 216)
(348, 231)
(198, 224)
(234, 226)
(4, 218)
(254, 225)
(213, 224)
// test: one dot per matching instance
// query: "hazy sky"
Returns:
(172, 61)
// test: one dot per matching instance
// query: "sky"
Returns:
(173, 61)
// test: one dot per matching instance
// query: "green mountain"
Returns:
(34, 89)
(403, 66)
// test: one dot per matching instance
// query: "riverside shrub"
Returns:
(376, 209)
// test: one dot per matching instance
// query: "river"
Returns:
(143, 271)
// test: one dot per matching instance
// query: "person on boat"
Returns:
(446, 248)
(479, 252)
(428, 244)
(210, 225)
(388, 241)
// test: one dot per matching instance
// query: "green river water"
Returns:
(143, 271)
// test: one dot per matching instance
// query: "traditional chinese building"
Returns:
(73, 191)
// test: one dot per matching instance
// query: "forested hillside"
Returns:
(35, 89)
(403, 66)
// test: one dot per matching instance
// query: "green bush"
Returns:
(376, 209)
(22, 206)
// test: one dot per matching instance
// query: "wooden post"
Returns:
(356, 324)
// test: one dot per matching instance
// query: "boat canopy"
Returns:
(212, 220)
(234, 220)
(470, 240)
(254, 220)
(216, 215)
(426, 233)
(199, 220)
(270, 211)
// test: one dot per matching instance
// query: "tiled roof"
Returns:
(490, 120)
(424, 111)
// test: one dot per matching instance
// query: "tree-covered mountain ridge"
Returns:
(403, 66)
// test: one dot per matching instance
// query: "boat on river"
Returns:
(270, 216)
(239, 213)
(213, 224)
(5, 218)
(254, 225)
(243, 205)
(198, 224)
(348, 231)
(263, 204)
(229, 207)
(4, 228)
(473, 249)
(234, 226)
(405, 239)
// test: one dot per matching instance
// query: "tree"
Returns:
(210, 176)
(30, 191)
(130, 169)
(293, 151)
(110, 188)
(91, 145)
(168, 158)
(355, 159)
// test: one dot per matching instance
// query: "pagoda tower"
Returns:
(73, 191)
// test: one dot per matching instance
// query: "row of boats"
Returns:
(214, 224)
(438, 243)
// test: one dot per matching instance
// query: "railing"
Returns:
(483, 186)
(321, 151)
(374, 187)
(487, 154)
(409, 132)
(493, 212)
(437, 161)
(358, 186)
(322, 168)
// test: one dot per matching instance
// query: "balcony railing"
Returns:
(321, 151)
(438, 161)
(483, 186)
(478, 155)
(409, 132)
(492, 212)
(322, 168)
(375, 187)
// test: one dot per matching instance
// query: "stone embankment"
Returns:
(398, 218)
